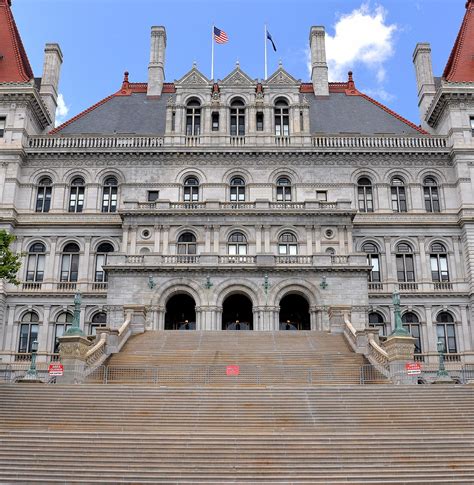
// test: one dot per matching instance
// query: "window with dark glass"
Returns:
(364, 195)
(101, 260)
(376, 320)
(439, 263)
(405, 263)
(373, 260)
(187, 243)
(28, 332)
(446, 332)
(398, 192)
(472, 125)
(76, 195)
(63, 323)
(193, 118)
(237, 244)
(98, 320)
(284, 189)
(35, 263)
(237, 189)
(191, 189)
(70, 263)
(109, 195)
(152, 195)
(322, 195)
(215, 121)
(43, 195)
(431, 194)
(237, 118)
(288, 244)
(412, 326)
(282, 118)
(3, 121)
(259, 121)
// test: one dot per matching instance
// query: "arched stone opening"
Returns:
(237, 312)
(180, 313)
(294, 313)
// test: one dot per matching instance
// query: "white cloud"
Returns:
(362, 37)
(62, 110)
(379, 93)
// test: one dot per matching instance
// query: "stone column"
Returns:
(317, 239)
(207, 243)
(258, 239)
(166, 233)
(313, 318)
(133, 240)
(342, 242)
(216, 238)
(267, 239)
(309, 240)
(84, 266)
(124, 247)
(160, 317)
(156, 246)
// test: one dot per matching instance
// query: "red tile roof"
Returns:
(14, 64)
(460, 67)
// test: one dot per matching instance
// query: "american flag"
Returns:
(220, 36)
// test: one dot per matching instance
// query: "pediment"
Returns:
(280, 76)
(238, 78)
(194, 77)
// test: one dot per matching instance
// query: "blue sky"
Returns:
(102, 38)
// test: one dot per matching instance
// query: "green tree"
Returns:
(9, 262)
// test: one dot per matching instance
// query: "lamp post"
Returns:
(399, 330)
(75, 329)
(32, 374)
(442, 372)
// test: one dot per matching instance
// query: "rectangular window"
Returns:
(322, 195)
(259, 121)
(152, 195)
(472, 125)
(28, 334)
(215, 121)
(173, 121)
(2, 126)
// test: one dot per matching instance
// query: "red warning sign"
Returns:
(413, 368)
(55, 369)
(233, 370)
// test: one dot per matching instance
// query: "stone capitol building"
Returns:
(238, 203)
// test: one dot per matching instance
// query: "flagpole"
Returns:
(265, 44)
(212, 52)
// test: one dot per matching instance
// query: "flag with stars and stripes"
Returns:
(220, 36)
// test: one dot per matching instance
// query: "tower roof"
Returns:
(460, 67)
(14, 64)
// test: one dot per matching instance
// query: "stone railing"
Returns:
(64, 287)
(377, 356)
(259, 204)
(96, 355)
(419, 287)
(321, 142)
(231, 259)
(350, 333)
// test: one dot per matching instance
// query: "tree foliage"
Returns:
(9, 262)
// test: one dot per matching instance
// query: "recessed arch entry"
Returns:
(237, 312)
(294, 312)
(180, 312)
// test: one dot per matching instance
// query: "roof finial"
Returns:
(280, 62)
(125, 77)
(237, 64)
(195, 65)
(350, 82)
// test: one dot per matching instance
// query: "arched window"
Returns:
(284, 189)
(412, 325)
(446, 332)
(376, 320)
(439, 263)
(193, 118)
(63, 323)
(431, 194)
(43, 195)
(330, 251)
(70, 263)
(373, 259)
(109, 195)
(187, 243)
(35, 264)
(237, 244)
(237, 118)
(288, 244)
(98, 320)
(405, 263)
(237, 189)
(28, 332)
(76, 195)
(364, 195)
(191, 189)
(282, 118)
(399, 198)
(101, 260)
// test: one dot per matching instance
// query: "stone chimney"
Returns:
(53, 58)
(156, 68)
(319, 67)
(424, 79)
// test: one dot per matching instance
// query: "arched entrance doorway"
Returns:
(294, 313)
(180, 313)
(237, 313)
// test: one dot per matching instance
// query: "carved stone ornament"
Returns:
(75, 347)
(400, 348)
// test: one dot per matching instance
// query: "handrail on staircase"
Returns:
(101, 343)
(124, 327)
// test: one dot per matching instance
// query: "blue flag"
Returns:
(269, 37)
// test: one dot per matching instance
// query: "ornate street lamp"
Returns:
(442, 372)
(400, 330)
(75, 329)
(32, 374)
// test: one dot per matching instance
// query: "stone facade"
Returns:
(239, 156)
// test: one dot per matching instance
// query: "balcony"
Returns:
(60, 287)
(215, 206)
(320, 143)
(419, 287)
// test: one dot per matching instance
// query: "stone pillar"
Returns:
(267, 239)
(207, 242)
(138, 321)
(166, 233)
(400, 351)
(133, 240)
(313, 318)
(258, 239)
(156, 246)
(124, 247)
(72, 351)
(336, 317)
(309, 240)
(317, 239)
(216, 239)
